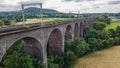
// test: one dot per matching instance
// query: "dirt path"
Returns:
(108, 58)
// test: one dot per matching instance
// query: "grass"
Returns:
(108, 58)
(113, 25)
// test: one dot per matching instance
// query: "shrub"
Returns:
(116, 41)
(70, 59)
(99, 25)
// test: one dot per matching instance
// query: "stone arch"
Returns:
(55, 43)
(31, 46)
(76, 31)
(68, 33)
(81, 28)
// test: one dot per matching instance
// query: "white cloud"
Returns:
(69, 5)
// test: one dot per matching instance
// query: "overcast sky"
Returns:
(85, 6)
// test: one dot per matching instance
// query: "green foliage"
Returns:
(7, 22)
(70, 59)
(111, 41)
(37, 64)
(112, 32)
(90, 33)
(68, 45)
(113, 25)
(15, 61)
(52, 62)
(93, 44)
(118, 30)
(15, 58)
(105, 19)
(59, 59)
(78, 46)
(81, 47)
(99, 25)
(1, 23)
(104, 35)
(116, 41)
(52, 65)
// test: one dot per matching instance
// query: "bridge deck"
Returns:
(19, 28)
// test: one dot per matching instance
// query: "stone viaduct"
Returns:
(39, 41)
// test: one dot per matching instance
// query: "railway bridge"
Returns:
(39, 41)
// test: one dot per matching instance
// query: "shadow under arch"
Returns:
(30, 46)
(68, 32)
(55, 43)
(76, 31)
(81, 28)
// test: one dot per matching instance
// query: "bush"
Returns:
(116, 41)
(52, 65)
(112, 32)
(70, 59)
(78, 46)
(98, 25)
(15, 61)
(104, 35)
(111, 42)
(90, 33)
(105, 19)
(118, 31)
(81, 47)
(59, 59)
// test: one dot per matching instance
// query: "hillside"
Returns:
(37, 10)
(30, 10)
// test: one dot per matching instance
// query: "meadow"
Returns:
(113, 25)
(107, 58)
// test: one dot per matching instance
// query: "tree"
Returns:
(112, 32)
(104, 35)
(68, 45)
(15, 61)
(116, 41)
(105, 19)
(99, 25)
(78, 46)
(59, 59)
(90, 33)
(81, 47)
(118, 30)
(70, 59)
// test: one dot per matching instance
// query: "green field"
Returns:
(113, 25)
